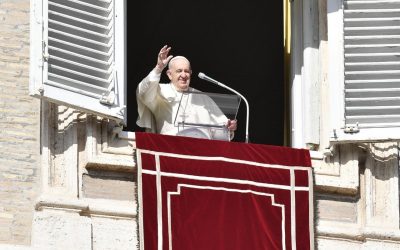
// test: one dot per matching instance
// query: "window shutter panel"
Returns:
(81, 66)
(372, 63)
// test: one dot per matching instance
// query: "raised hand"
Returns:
(163, 58)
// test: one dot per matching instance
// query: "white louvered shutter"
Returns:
(78, 47)
(372, 67)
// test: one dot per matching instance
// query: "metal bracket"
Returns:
(121, 111)
(351, 129)
(329, 152)
(46, 57)
(40, 90)
(108, 99)
(116, 130)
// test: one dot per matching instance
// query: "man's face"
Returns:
(179, 73)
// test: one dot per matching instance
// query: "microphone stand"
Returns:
(204, 77)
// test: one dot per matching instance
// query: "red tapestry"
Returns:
(204, 194)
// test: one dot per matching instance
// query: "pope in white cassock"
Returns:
(158, 103)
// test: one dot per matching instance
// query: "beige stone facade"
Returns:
(19, 127)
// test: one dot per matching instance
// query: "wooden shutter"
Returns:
(372, 63)
(81, 54)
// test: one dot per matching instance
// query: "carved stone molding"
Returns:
(338, 173)
(108, 147)
(74, 143)
(381, 177)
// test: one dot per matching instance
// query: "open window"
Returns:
(78, 54)
(78, 50)
(364, 70)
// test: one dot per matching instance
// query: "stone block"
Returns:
(114, 234)
(61, 230)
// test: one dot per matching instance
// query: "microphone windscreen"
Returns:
(202, 75)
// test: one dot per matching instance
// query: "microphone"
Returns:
(204, 77)
(209, 79)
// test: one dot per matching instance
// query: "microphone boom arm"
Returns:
(204, 77)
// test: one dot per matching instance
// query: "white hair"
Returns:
(175, 58)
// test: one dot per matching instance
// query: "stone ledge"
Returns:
(112, 163)
(89, 207)
(14, 247)
(335, 230)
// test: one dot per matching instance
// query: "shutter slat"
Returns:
(63, 71)
(81, 23)
(96, 71)
(372, 111)
(371, 40)
(372, 31)
(371, 49)
(381, 4)
(365, 91)
(68, 55)
(376, 120)
(372, 75)
(373, 101)
(80, 13)
(77, 31)
(94, 8)
(83, 41)
(58, 83)
(77, 84)
(369, 66)
(377, 83)
(76, 48)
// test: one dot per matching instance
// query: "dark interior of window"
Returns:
(238, 43)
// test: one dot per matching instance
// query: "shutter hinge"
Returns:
(116, 130)
(352, 129)
(40, 90)
(44, 52)
(121, 111)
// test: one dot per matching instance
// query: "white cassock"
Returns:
(158, 106)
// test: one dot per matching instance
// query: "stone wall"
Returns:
(19, 127)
